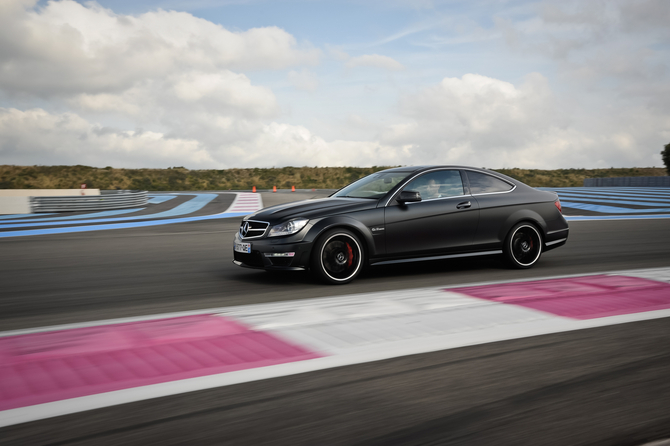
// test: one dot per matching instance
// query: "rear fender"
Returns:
(519, 216)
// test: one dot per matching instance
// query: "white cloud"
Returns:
(303, 80)
(182, 96)
(296, 145)
(129, 104)
(376, 61)
(455, 120)
(472, 120)
(338, 54)
(66, 48)
(198, 90)
(226, 93)
(67, 138)
(481, 121)
(619, 39)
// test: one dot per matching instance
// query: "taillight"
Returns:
(558, 205)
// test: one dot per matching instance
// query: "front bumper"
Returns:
(263, 249)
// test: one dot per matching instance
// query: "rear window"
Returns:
(481, 183)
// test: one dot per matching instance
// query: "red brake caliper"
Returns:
(350, 257)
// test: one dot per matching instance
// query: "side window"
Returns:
(439, 184)
(480, 183)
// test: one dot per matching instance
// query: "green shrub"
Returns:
(179, 178)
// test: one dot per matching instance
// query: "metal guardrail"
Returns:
(107, 200)
(628, 182)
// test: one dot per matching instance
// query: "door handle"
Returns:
(464, 205)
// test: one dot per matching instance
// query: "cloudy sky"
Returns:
(221, 84)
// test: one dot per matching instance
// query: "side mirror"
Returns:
(408, 196)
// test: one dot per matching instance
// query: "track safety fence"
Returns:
(120, 199)
(628, 182)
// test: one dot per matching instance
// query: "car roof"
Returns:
(428, 167)
(403, 169)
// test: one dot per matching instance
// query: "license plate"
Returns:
(242, 247)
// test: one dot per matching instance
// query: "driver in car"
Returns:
(432, 189)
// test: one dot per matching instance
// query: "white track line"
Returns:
(74, 405)
(246, 202)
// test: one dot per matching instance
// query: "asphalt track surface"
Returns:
(599, 386)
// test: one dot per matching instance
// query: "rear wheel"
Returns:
(337, 257)
(523, 246)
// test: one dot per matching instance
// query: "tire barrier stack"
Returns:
(628, 182)
(120, 199)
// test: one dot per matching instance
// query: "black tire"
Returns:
(523, 246)
(338, 257)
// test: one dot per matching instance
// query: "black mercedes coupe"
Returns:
(406, 214)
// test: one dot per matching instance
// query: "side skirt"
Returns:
(450, 256)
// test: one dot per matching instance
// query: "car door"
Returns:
(444, 220)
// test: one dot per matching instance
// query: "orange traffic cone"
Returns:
(253, 189)
(274, 188)
(292, 188)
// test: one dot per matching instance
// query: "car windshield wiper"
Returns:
(351, 196)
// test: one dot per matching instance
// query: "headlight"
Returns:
(288, 228)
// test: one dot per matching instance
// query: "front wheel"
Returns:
(337, 257)
(523, 246)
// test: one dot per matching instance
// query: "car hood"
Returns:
(312, 208)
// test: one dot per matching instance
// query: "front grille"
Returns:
(253, 229)
(253, 259)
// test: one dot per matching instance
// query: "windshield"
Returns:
(373, 186)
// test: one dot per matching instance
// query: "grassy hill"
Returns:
(179, 178)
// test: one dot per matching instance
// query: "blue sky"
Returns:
(216, 84)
